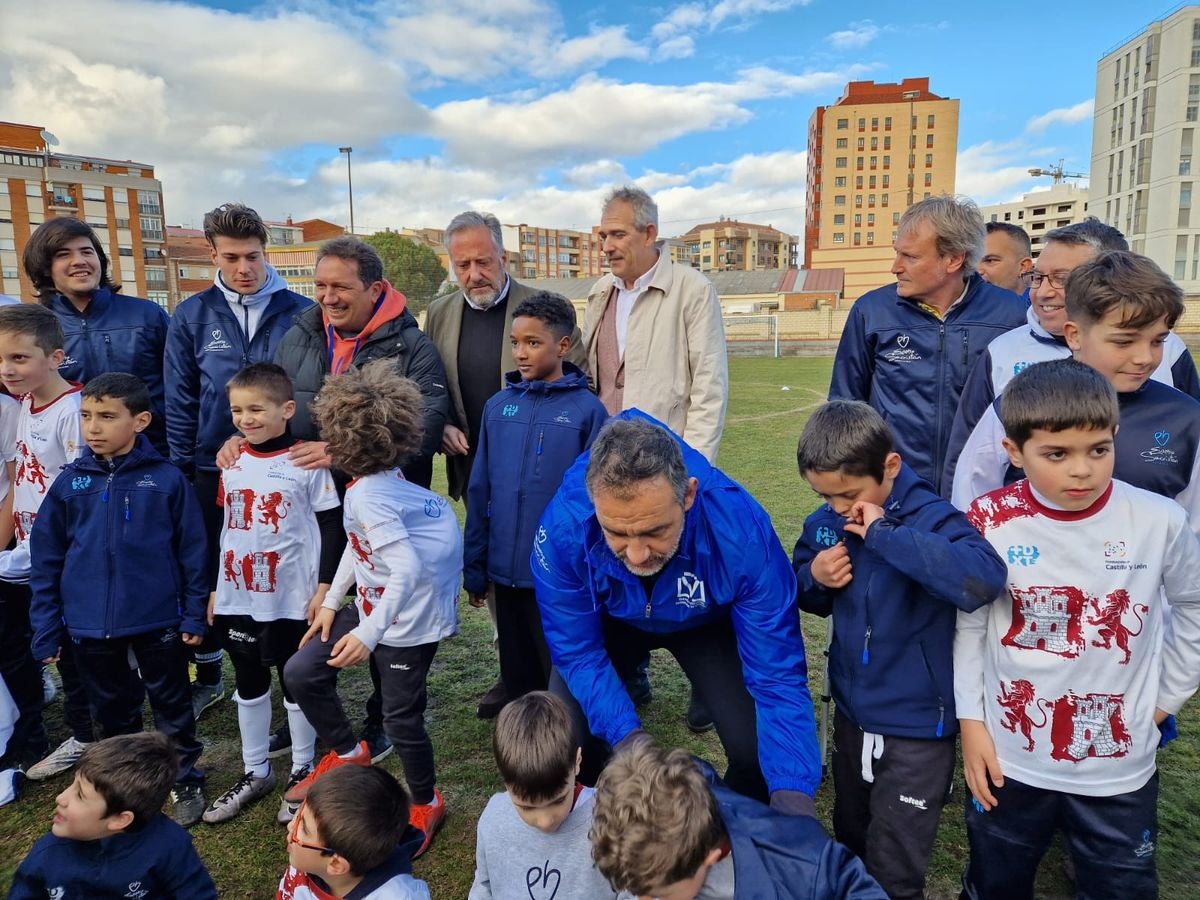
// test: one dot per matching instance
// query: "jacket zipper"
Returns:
(520, 492)
(937, 407)
(941, 725)
(108, 612)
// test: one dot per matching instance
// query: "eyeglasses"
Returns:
(294, 827)
(1058, 280)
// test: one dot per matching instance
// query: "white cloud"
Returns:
(854, 37)
(679, 47)
(674, 31)
(1066, 115)
(992, 171)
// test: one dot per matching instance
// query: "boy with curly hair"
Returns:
(405, 555)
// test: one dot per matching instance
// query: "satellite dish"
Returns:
(51, 140)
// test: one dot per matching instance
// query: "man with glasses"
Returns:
(1007, 260)
(1041, 337)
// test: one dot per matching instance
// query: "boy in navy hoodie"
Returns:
(893, 563)
(118, 558)
(109, 837)
(531, 433)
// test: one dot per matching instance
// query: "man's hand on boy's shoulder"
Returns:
(862, 516)
(310, 455)
(228, 455)
(831, 567)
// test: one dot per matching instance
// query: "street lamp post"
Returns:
(349, 183)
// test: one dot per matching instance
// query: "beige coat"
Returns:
(675, 360)
(443, 325)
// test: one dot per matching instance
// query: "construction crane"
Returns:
(1056, 172)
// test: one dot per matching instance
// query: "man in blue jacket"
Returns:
(646, 545)
(907, 348)
(213, 335)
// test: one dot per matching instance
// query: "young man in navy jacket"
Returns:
(892, 563)
(531, 433)
(118, 557)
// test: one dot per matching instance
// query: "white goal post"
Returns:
(756, 330)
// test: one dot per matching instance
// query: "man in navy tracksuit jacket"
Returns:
(118, 562)
(907, 347)
(890, 663)
(531, 433)
(710, 583)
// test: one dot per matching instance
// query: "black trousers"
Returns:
(1111, 840)
(23, 676)
(117, 692)
(708, 655)
(890, 823)
(255, 648)
(206, 484)
(403, 673)
(524, 657)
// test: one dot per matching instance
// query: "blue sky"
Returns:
(531, 108)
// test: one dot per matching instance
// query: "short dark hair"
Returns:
(555, 312)
(1015, 233)
(234, 220)
(535, 746)
(132, 772)
(50, 237)
(1129, 281)
(129, 389)
(1054, 396)
(267, 378)
(362, 254)
(628, 452)
(846, 436)
(1090, 232)
(370, 418)
(34, 322)
(360, 813)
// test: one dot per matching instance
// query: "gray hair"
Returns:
(957, 225)
(351, 249)
(472, 219)
(645, 210)
(628, 452)
(1090, 232)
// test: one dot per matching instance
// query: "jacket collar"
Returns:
(274, 282)
(142, 454)
(102, 299)
(573, 377)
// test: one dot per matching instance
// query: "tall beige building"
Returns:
(536, 252)
(873, 153)
(1147, 114)
(728, 245)
(1041, 211)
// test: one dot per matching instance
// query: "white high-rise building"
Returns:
(1039, 212)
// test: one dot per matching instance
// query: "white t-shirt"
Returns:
(404, 552)
(1067, 666)
(270, 541)
(48, 438)
(10, 414)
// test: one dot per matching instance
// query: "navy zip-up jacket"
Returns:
(206, 346)
(911, 366)
(117, 549)
(116, 334)
(530, 434)
(155, 861)
(729, 564)
(781, 857)
(890, 666)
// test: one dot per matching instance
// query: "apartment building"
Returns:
(536, 252)
(873, 153)
(120, 199)
(728, 245)
(1041, 211)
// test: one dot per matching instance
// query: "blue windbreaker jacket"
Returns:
(911, 366)
(117, 551)
(890, 666)
(729, 563)
(778, 857)
(206, 346)
(531, 433)
(116, 334)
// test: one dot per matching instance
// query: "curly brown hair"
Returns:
(370, 417)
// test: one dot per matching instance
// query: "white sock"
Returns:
(304, 737)
(254, 723)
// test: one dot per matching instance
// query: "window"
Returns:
(93, 193)
(708, 245)
(928, 179)
(887, 124)
(122, 223)
(874, 143)
(1039, 211)
(149, 203)
(151, 228)
(858, 219)
(862, 144)
(929, 141)
(529, 256)
(159, 297)
(839, 199)
(858, 200)
(871, 180)
(886, 179)
(862, 124)
(874, 161)
(884, 200)
(895, 217)
(8, 244)
(8, 273)
(839, 237)
(839, 219)
(858, 181)
(870, 237)
(857, 239)
(843, 123)
(62, 195)
(858, 163)
(929, 121)
(870, 200)
(843, 143)
(887, 142)
(527, 237)
(156, 279)
(125, 251)
(929, 159)
(839, 162)
(541, 240)
(870, 218)
(875, 124)
(839, 181)
(887, 161)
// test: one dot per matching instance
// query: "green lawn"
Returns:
(247, 855)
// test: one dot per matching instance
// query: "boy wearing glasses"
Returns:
(340, 846)
(1041, 338)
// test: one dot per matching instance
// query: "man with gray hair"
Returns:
(471, 329)
(907, 347)
(646, 545)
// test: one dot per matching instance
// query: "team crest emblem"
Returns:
(902, 341)
(689, 591)
(81, 482)
(433, 508)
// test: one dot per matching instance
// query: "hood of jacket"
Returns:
(1039, 333)
(142, 454)
(390, 306)
(572, 377)
(399, 863)
(260, 297)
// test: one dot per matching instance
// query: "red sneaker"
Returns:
(428, 817)
(329, 761)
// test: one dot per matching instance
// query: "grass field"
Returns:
(247, 855)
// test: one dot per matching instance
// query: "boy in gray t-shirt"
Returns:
(533, 838)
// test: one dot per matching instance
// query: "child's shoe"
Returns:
(330, 761)
(428, 817)
(289, 808)
(245, 791)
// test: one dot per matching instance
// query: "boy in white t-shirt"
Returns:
(280, 543)
(405, 555)
(1061, 681)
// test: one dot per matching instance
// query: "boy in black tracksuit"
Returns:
(893, 563)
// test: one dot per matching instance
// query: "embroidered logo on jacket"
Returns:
(218, 343)
(902, 353)
(689, 591)
(1160, 453)
(81, 482)
(825, 536)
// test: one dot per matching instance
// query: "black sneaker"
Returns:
(188, 803)
(699, 719)
(492, 702)
(378, 744)
(639, 689)
(280, 742)
(289, 808)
